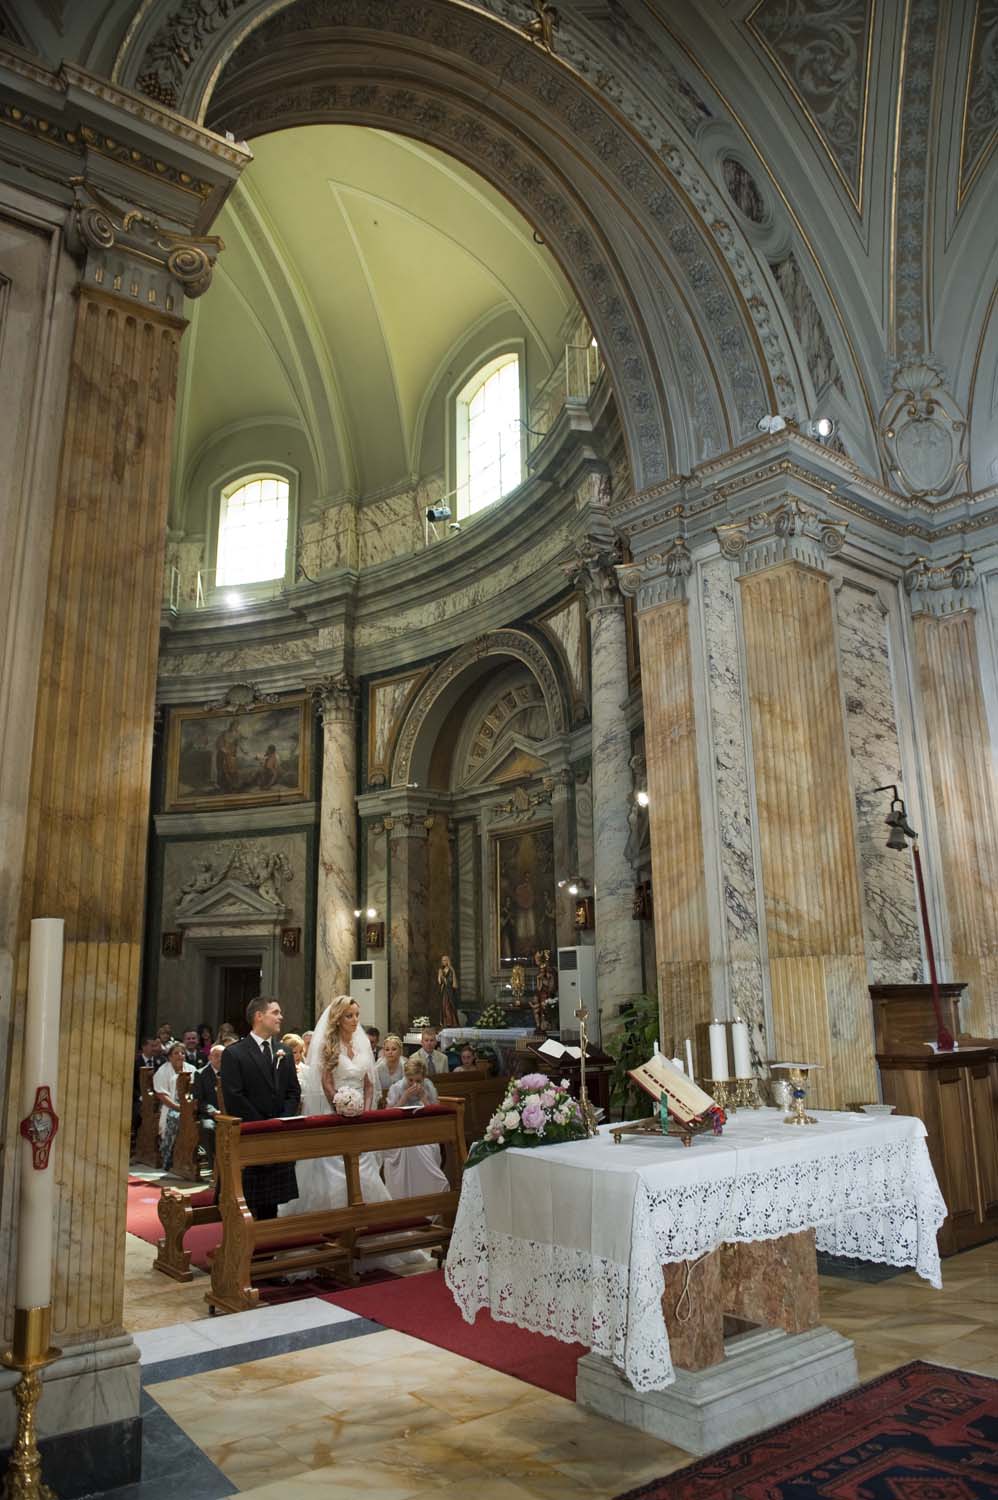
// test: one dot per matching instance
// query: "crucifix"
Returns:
(585, 1108)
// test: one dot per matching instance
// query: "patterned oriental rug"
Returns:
(919, 1433)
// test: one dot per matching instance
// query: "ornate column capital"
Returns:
(943, 588)
(336, 698)
(132, 255)
(593, 570)
(659, 578)
(789, 532)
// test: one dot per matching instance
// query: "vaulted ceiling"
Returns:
(360, 268)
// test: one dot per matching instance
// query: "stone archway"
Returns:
(666, 287)
(447, 681)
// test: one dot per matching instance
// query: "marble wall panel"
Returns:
(394, 526)
(238, 659)
(727, 710)
(469, 918)
(377, 873)
(890, 911)
(566, 626)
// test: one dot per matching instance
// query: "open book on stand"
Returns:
(685, 1101)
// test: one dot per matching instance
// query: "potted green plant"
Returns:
(632, 1043)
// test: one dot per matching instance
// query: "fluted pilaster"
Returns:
(88, 814)
(809, 863)
(409, 898)
(964, 789)
(336, 926)
(679, 897)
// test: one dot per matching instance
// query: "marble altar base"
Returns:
(765, 1377)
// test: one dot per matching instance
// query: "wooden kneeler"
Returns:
(252, 1250)
(146, 1153)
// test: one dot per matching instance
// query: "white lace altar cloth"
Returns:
(570, 1240)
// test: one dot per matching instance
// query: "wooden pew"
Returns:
(482, 1096)
(185, 1147)
(146, 1153)
(178, 1212)
(252, 1250)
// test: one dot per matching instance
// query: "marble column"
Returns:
(618, 941)
(679, 898)
(469, 916)
(961, 764)
(337, 893)
(566, 859)
(809, 862)
(408, 883)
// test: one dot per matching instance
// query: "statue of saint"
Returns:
(545, 987)
(447, 992)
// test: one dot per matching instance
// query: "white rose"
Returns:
(511, 1119)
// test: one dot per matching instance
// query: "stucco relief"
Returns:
(823, 54)
(822, 365)
(909, 284)
(500, 643)
(923, 432)
(980, 121)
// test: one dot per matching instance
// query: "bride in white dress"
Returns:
(339, 1056)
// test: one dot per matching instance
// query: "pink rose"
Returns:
(533, 1116)
(548, 1098)
(534, 1081)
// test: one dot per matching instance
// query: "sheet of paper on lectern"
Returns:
(686, 1100)
(551, 1048)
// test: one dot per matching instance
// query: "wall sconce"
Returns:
(641, 798)
(574, 884)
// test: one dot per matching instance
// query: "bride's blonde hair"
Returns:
(337, 1010)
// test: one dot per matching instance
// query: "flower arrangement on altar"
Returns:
(536, 1111)
(419, 1023)
(348, 1101)
(492, 1018)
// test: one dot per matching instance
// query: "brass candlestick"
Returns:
(747, 1093)
(722, 1091)
(29, 1353)
(585, 1108)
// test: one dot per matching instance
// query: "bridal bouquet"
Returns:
(535, 1112)
(348, 1101)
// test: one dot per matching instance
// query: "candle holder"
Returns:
(798, 1092)
(724, 1093)
(585, 1107)
(29, 1353)
(747, 1093)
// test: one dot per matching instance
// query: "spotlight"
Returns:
(454, 526)
(771, 423)
(439, 512)
(233, 601)
(819, 428)
(642, 799)
(357, 913)
(372, 912)
(573, 889)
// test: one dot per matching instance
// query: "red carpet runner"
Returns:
(423, 1307)
(919, 1433)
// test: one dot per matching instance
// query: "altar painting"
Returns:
(249, 757)
(523, 866)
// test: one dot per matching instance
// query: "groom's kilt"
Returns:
(275, 1182)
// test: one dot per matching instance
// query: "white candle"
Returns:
(740, 1043)
(689, 1058)
(39, 1069)
(677, 1062)
(718, 1036)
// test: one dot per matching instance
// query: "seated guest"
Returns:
(227, 1033)
(469, 1059)
(205, 1091)
(192, 1048)
(164, 1082)
(292, 1042)
(374, 1037)
(389, 1068)
(433, 1060)
(412, 1170)
(205, 1040)
(165, 1034)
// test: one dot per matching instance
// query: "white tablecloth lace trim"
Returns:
(877, 1203)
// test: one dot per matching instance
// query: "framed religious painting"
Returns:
(524, 894)
(246, 757)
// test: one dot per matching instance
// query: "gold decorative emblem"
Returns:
(40, 1127)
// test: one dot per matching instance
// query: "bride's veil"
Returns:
(313, 1095)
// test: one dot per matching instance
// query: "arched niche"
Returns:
(474, 86)
(451, 680)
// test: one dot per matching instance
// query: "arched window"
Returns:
(252, 530)
(489, 457)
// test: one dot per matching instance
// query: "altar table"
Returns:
(570, 1240)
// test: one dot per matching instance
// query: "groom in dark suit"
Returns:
(259, 1082)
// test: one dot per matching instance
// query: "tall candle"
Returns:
(657, 1048)
(689, 1058)
(740, 1043)
(39, 1071)
(718, 1035)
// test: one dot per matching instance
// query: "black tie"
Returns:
(268, 1048)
